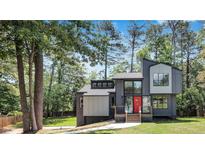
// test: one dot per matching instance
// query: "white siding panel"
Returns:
(96, 106)
(160, 68)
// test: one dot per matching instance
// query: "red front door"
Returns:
(137, 103)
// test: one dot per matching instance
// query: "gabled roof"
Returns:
(128, 76)
(156, 63)
(89, 92)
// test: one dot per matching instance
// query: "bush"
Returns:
(191, 101)
(8, 101)
(14, 113)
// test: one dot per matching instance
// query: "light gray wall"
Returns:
(176, 81)
(95, 105)
(160, 68)
(145, 71)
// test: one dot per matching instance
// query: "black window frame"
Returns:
(162, 82)
(133, 91)
(159, 102)
(150, 105)
(102, 84)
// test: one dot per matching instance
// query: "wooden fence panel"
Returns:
(9, 120)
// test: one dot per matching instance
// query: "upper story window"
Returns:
(133, 86)
(102, 84)
(161, 79)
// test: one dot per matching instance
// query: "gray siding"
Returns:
(146, 73)
(170, 111)
(119, 84)
(176, 81)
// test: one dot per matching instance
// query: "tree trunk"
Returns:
(187, 69)
(38, 89)
(105, 65)
(33, 118)
(132, 56)
(22, 89)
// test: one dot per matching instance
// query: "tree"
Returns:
(173, 25)
(110, 45)
(26, 38)
(120, 68)
(135, 32)
(152, 38)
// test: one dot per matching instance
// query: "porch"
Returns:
(121, 114)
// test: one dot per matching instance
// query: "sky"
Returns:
(122, 26)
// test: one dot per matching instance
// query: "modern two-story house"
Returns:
(131, 97)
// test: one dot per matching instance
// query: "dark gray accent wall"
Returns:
(173, 101)
(79, 111)
(119, 84)
(94, 119)
(176, 81)
(145, 71)
(170, 111)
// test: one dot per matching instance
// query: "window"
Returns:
(146, 107)
(161, 79)
(81, 102)
(133, 87)
(102, 84)
(160, 102)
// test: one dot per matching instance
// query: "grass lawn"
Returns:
(54, 121)
(61, 121)
(178, 126)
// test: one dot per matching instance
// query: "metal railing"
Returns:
(119, 111)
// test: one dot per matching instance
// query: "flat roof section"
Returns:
(95, 92)
(128, 76)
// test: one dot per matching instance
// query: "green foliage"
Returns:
(192, 99)
(67, 79)
(14, 113)
(120, 68)
(144, 53)
(8, 101)
(58, 98)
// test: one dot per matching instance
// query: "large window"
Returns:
(161, 79)
(133, 87)
(160, 102)
(146, 108)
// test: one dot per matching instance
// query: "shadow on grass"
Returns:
(55, 121)
(164, 121)
(3, 130)
(110, 131)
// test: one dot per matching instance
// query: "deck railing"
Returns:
(119, 111)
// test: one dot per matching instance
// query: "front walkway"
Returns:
(106, 127)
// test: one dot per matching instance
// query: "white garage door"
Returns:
(95, 105)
